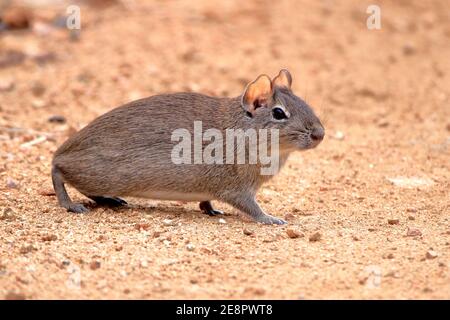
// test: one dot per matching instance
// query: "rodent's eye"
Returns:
(278, 114)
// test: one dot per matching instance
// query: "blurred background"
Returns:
(383, 95)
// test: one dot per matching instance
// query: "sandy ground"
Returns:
(376, 190)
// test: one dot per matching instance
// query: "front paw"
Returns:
(267, 219)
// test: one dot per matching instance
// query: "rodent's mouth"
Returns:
(306, 144)
(314, 143)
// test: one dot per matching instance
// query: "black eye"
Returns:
(278, 114)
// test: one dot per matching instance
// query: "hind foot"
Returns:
(208, 209)
(77, 208)
(107, 201)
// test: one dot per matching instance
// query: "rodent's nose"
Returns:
(317, 134)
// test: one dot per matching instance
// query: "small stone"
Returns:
(190, 247)
(38, 103)
(95, 265)
(289, 217)
(255, 291)
(57, 119)
(65, 263)
(26, 248)
(248, 232)
(166, 243)
(412, 232)
(393, 221)
(16, 18)
(222, 221)
(7, 214)
(339, 135)
(38, 89)
(409, 49)
(141, 226)
(411, 210)
(411, 218)
(6, 84)
(49, 237)
(156, 234)
(46, 192)
(12, 184)
(11, 58)
(356, 238)
(144, 263)
(383, 123)
(119, 248)
(292, 233)
(168, 222)
(315, 237)
(392, 274)
(12, 295)
(431, 254)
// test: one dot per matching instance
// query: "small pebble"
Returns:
(12, 295)
(248, 232)
(11, 183)
(289, 217)
(190, 247)
(222, 221)
(16, 18)
(389, 256)
(412, 232)
(292, 233)
(7, 214)
(431, 254)
(38, 103)
(26, 248)
(409, 49)
(315, 237)
(339, 135)
(6, 84)
(95, 265)
(46, 192)
(49, 237)
(156, 234)
(168, 222)
(144, 263)
(141, 226)
(57, 119)
(38, 89)
(393, 221)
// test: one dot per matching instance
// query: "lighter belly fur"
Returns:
(173, 195)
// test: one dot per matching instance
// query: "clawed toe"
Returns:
(77, 208)
(112, 202)
(213, 212)
(208, 209)
(271, 220)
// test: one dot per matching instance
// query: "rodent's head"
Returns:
(272, 104)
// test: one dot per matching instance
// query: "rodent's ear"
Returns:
(257, 94)
(283, 79)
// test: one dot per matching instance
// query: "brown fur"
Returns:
(127, 151)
